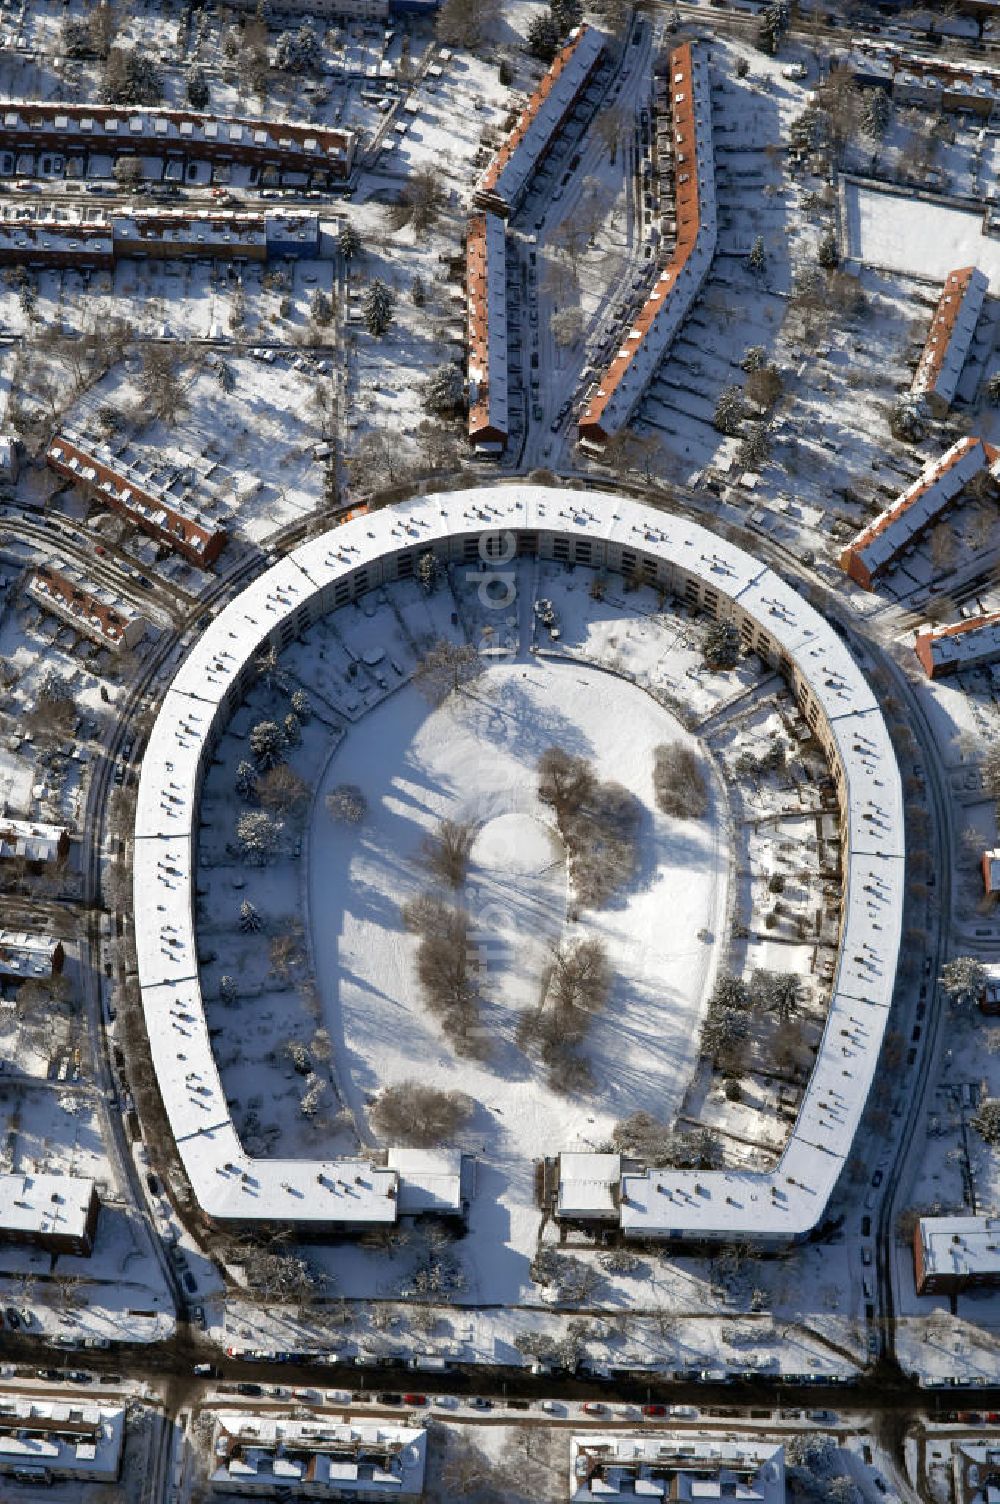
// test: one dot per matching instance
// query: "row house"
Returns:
(261, 1456)
(624, 383)
(44, 1440)
(486, 311)
(950, 337)
(33, 842)
(114, 483)
(904, 523)
(965, 644)
(928, 82)
(28, 956)
(505, 181)
(159, 235)
(184, 135)
(85, 612)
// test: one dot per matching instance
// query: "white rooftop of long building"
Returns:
(787, 1202)
(940, 483)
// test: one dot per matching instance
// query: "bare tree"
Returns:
(446, 851)
(446, 668)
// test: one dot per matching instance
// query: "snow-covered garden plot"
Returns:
(900, 232)
(241, 449)
(181, 299)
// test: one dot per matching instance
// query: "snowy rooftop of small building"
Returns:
(873, 868)
(430, 1180)
(961, 1245)
(49, 1204)
(27, 953)
(588, 1183)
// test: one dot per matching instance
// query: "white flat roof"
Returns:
(961, 1246)
(45, 1204)
(873, 868)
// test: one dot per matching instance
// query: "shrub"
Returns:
(412, 1113)
(679, 784)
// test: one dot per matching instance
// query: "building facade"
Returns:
(106, 479)
(706, 572)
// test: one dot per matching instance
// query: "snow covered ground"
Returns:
(474, 761)
(918, 237)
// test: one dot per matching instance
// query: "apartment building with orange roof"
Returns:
(950, 337)
(486, 312)
(120, 487)
(965, 644)
(106, 624)
(505, 181)
(901, 525)
(624, 382)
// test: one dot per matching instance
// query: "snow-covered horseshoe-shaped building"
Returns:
(601, 531)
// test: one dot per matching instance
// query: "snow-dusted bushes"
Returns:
(347, 804)
(679, 784)
(598, 823)
(449, 988)
(412, 1113)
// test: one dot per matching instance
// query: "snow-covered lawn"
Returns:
(473, 760)
(917, 237)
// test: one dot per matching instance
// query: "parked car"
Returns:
(253, 1390)
(653, 1412)
(388, 1398)
(478, 1403)
(414, 1399)
(594, 1407)
(79, 1376)
(13, 1319)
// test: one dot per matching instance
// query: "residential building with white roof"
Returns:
(624, 383)
(319, 1458)
(589, 1187)
(618, 1468)
(951, 1254)
(506, 179)
(486, 313)
(922, 504)
(938, 83)
(964, 644)
(950, 337)
(44, 1440)
(609, 532)
(29, 956)
(56, 1212)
